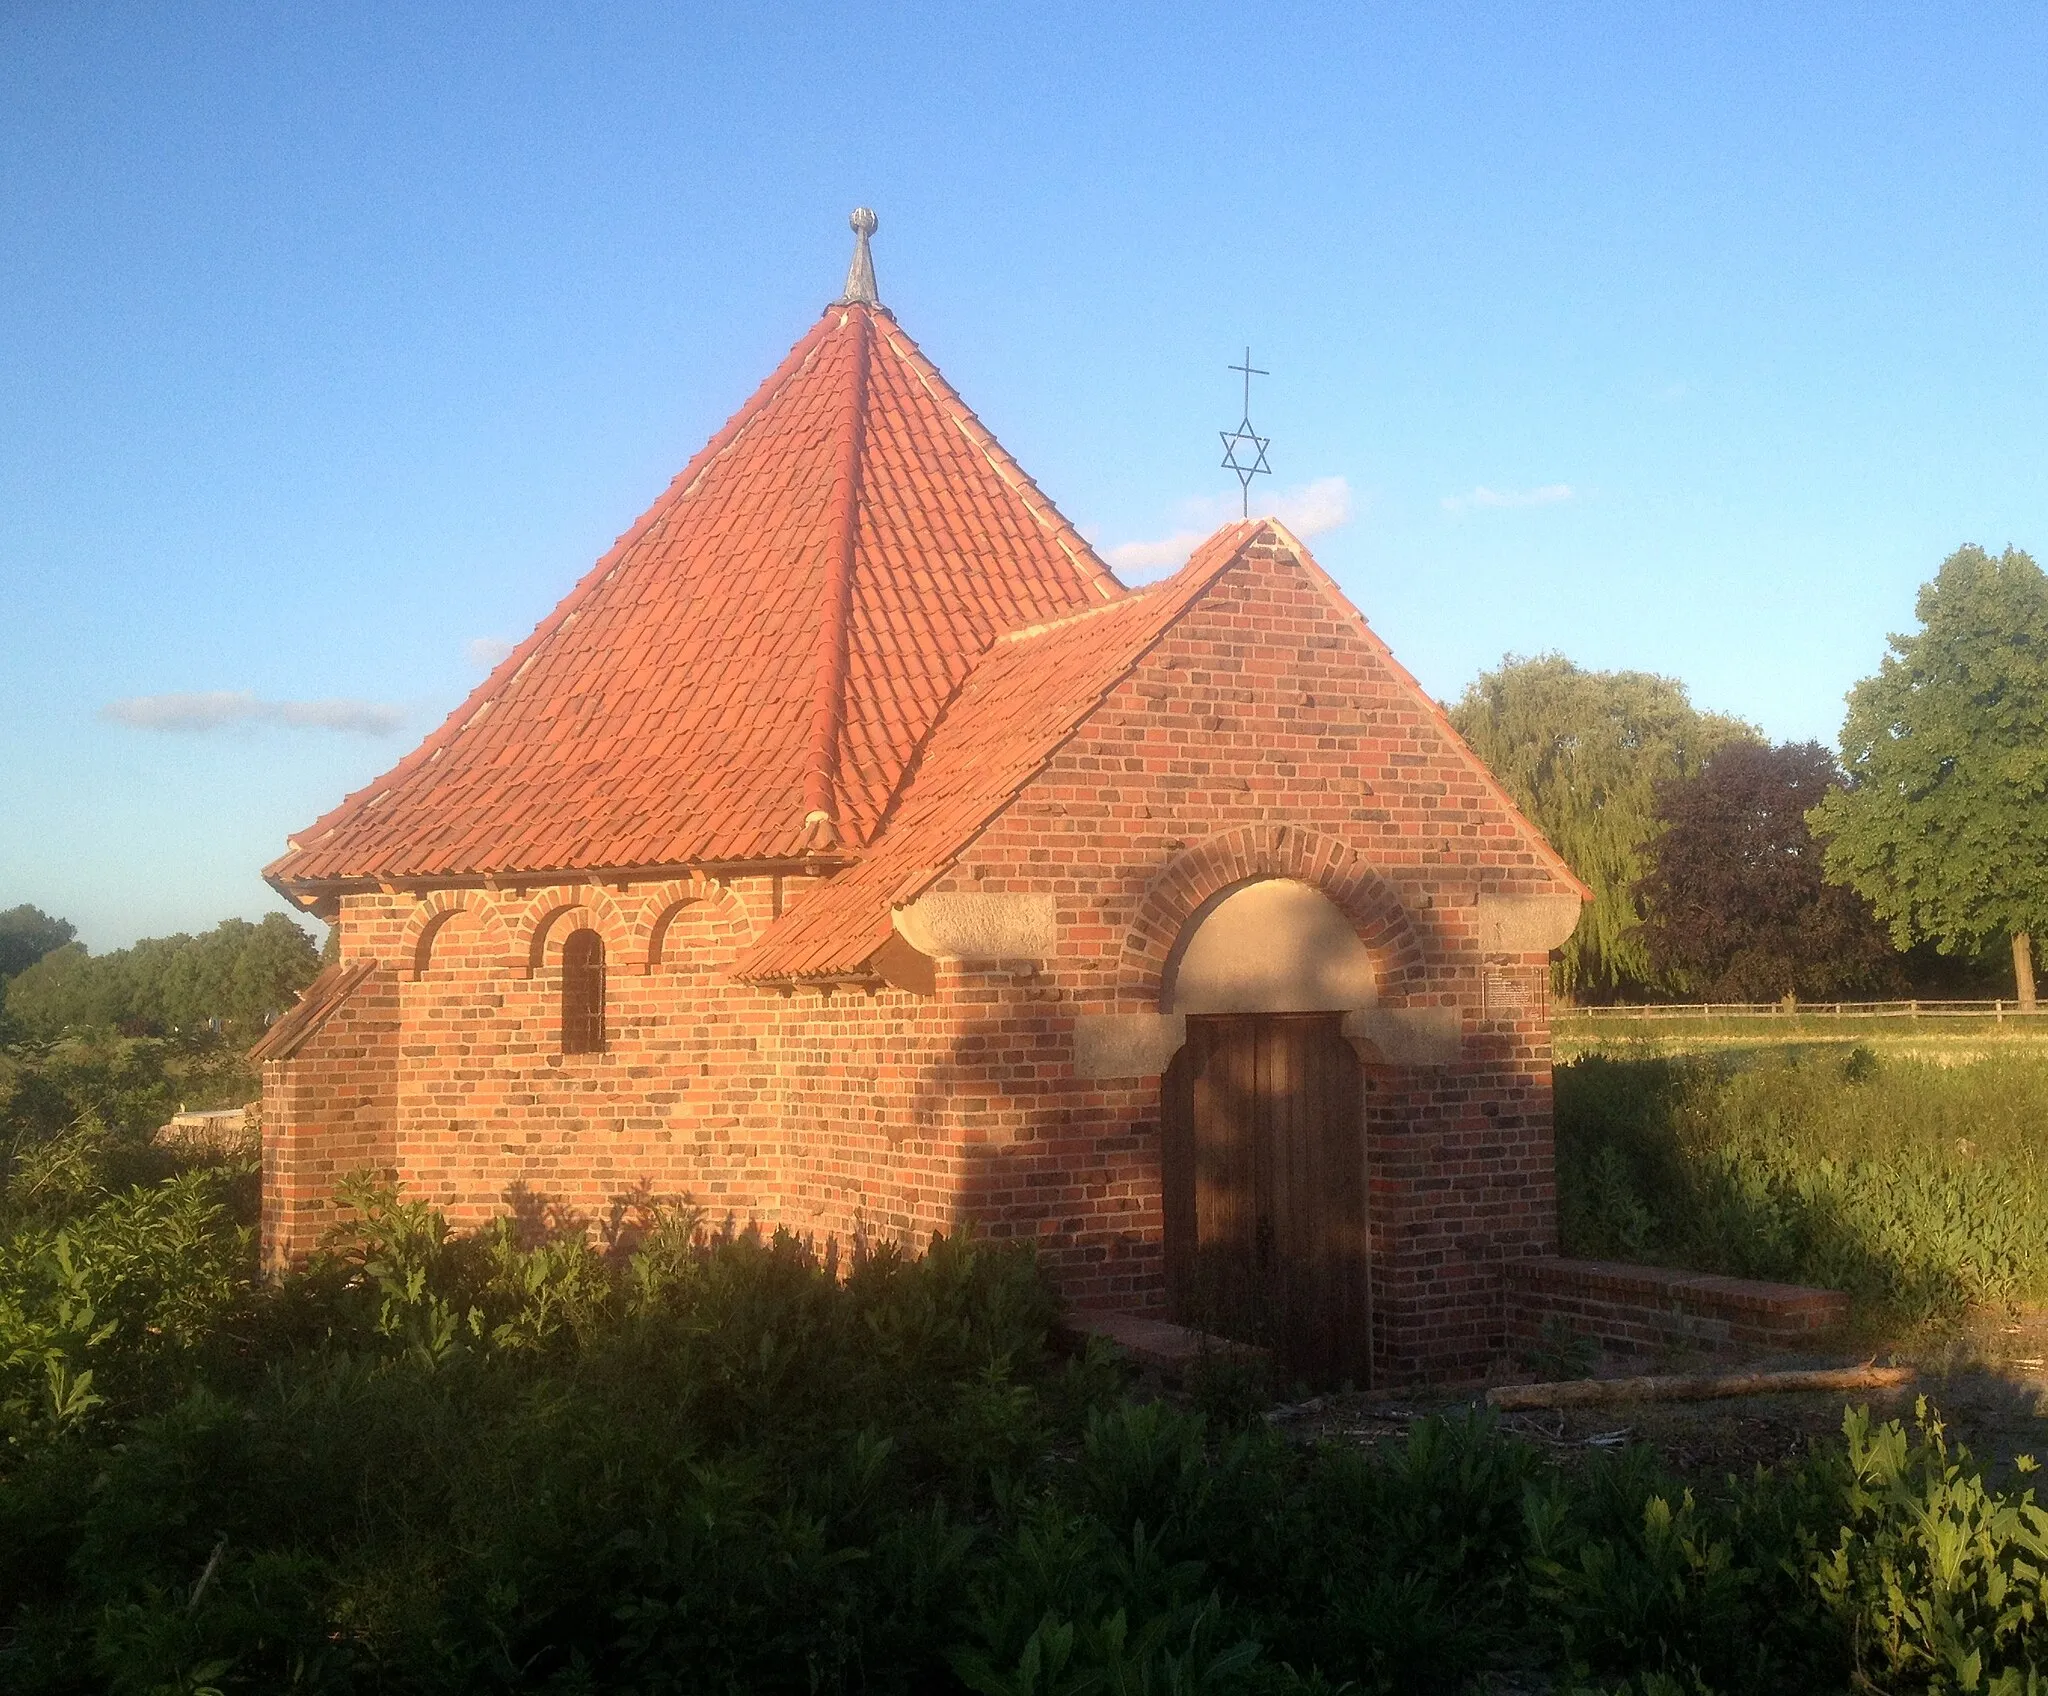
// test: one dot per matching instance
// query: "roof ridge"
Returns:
(1013, 476)
(828, 697)
(1133, 601)
(1160, 609)
(1432, 708)
(1025, 633)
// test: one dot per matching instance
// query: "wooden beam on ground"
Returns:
(1584, 1392)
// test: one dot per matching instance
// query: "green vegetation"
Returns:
(231, 979)
(1947, 753)
(1736, 906)
(1583, 753)
(27, 934)
(1919, 1187)
(656, 1460)
(1705, 851)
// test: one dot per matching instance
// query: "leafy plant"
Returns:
(1942, 1583)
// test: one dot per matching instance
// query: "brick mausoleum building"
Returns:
(850, 851)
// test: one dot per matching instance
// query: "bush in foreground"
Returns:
(686, 1462)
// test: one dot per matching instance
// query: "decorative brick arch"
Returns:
(535, 922)
(416, 945)
(1258, 851)
(667, 902)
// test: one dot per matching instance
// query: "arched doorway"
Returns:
(1263, 1114)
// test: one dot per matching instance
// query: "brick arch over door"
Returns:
(1249, 853)
(416, 944)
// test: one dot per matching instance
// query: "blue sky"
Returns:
(335, 342)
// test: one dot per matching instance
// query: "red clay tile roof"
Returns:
(1030, 693)
(768, 644)
(315, 1005)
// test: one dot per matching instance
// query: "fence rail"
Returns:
(1809, 1010)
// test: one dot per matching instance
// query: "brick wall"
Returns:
(329, 1111)
(1638, 1309)
(1265, 735)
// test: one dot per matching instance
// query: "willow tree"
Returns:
(1582, 753)
(1944, 825)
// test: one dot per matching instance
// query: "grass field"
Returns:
(1944, 1039)
(1900, 1159)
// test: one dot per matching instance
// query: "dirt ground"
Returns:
(1989, 1384)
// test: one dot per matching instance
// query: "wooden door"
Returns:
(1265, 1188)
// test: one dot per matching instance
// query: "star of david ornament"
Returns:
(1244, 449)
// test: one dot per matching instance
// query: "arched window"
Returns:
(583, 993)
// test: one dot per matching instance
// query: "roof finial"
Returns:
(860, 275)
(1244, 449)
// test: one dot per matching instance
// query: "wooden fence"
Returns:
(1809, 1010)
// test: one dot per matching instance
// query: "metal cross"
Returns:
(1244, 449)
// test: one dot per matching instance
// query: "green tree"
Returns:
(1944, 825)
(27, 934)
(1582, 753)
(237, 972)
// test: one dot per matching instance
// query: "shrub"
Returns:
(663, 1459)
(1942, 1583)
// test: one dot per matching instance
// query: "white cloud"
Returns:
(1148, 556)
(1309, 509)
(222, 709)
(1548, 495)
(1315, 508)
(484, 652)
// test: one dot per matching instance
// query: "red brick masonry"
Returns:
(852, 671)
(1650, 1307)
(1264, 734)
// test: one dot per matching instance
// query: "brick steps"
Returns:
(1631, 1307)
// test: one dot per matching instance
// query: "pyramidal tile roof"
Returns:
(747, 673)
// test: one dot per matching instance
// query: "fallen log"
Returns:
(1584, 1392)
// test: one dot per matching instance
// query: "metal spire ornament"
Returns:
(1244, 449)
(860, 275)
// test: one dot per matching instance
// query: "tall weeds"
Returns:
(1919, 1188)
